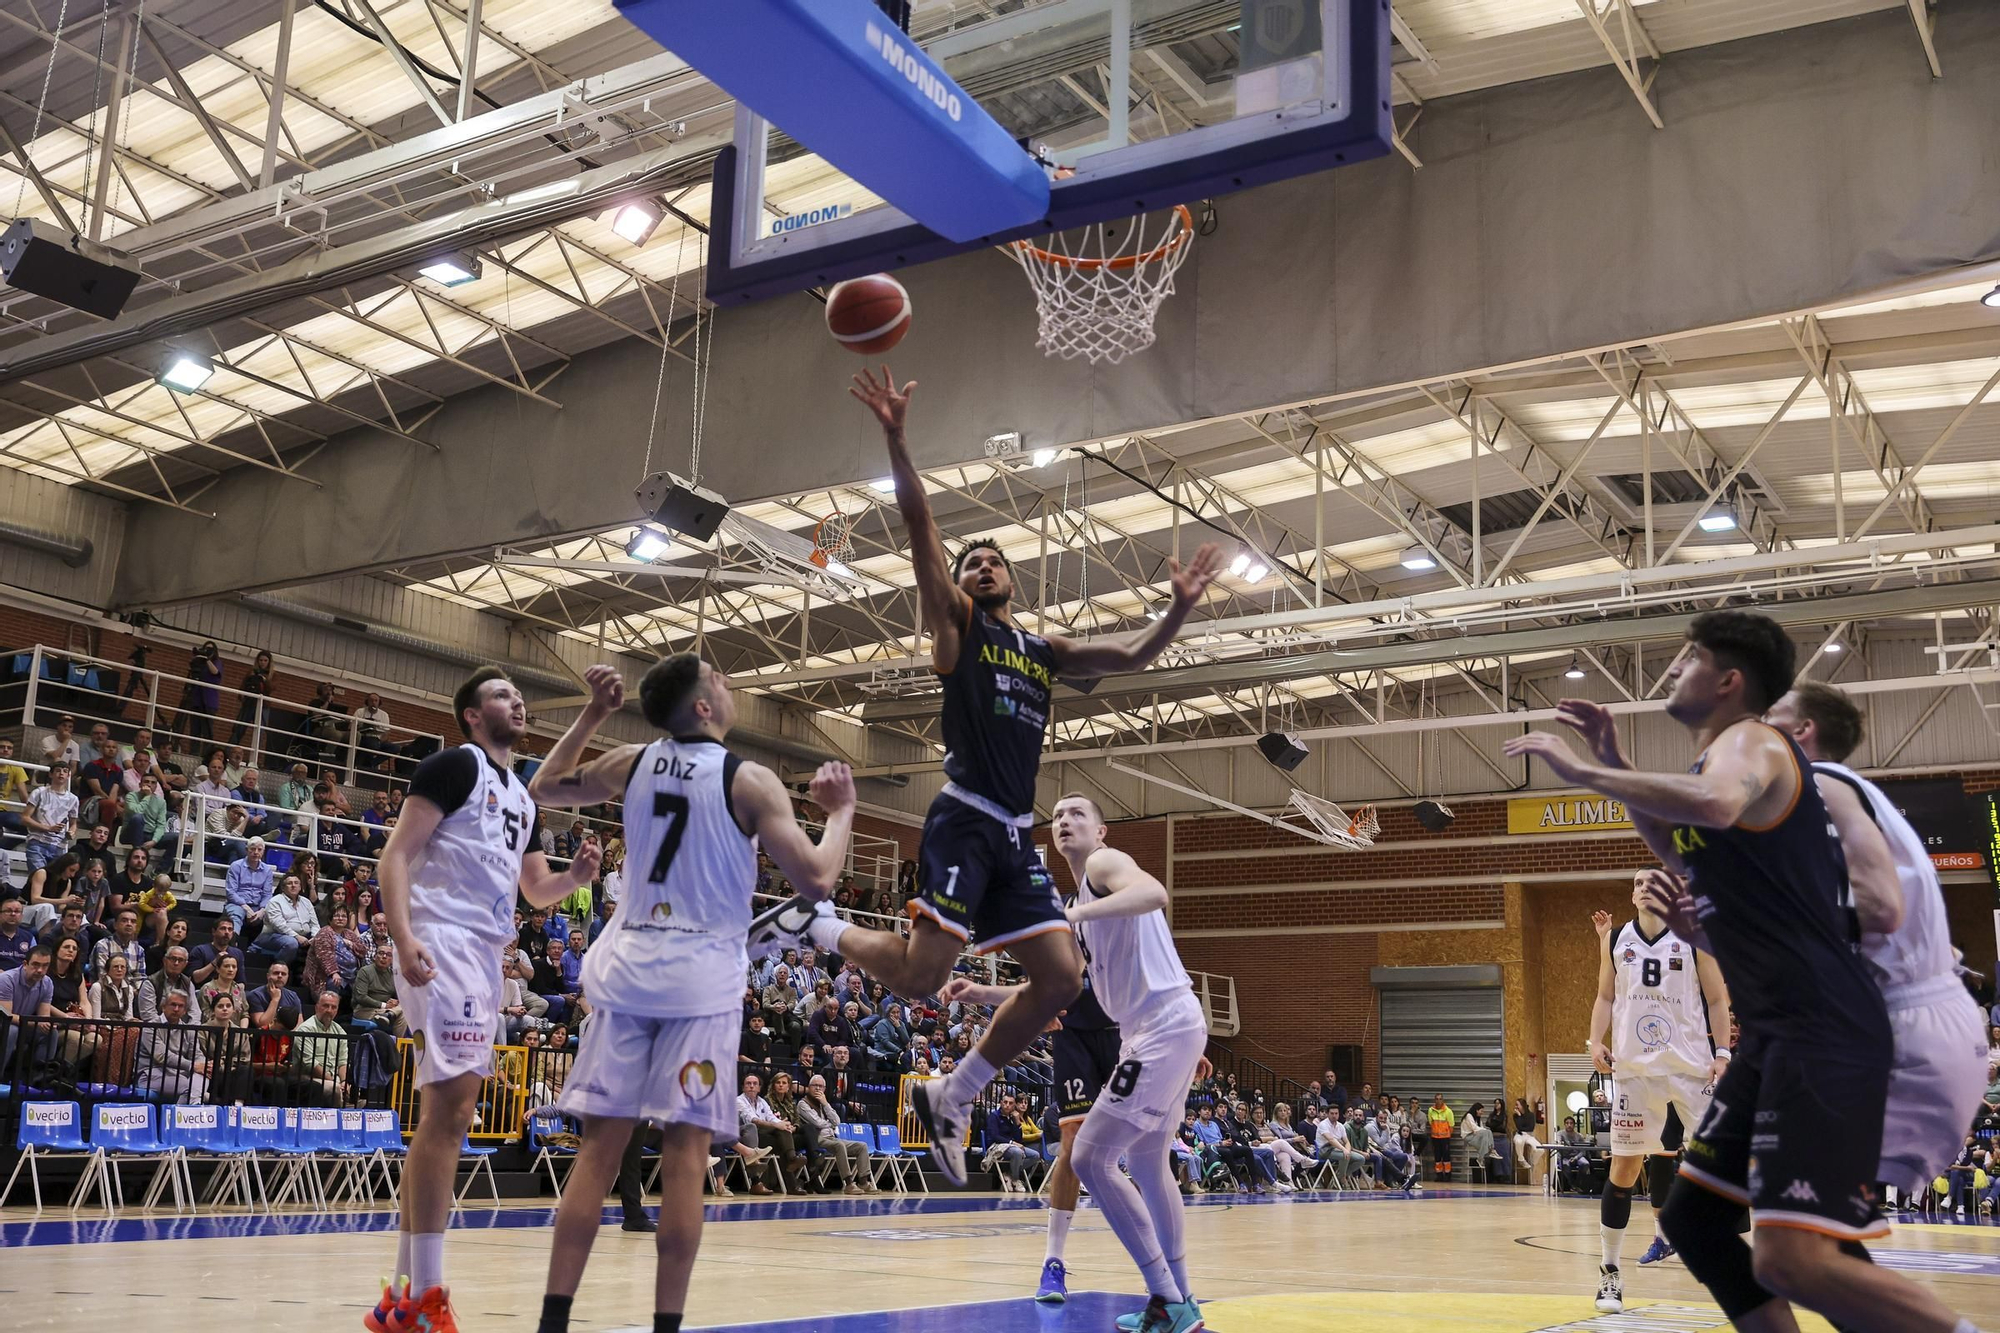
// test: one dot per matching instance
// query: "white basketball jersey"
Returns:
(471, 870)
(1659, 1017)
(676, 946)
(1131, 960)
(1920, 948)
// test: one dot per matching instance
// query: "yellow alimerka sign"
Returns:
(1565, 814)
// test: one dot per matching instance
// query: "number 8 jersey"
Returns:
(676, 946)
(1659, 1016)
(471, 869)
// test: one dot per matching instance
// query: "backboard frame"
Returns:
(751, 259)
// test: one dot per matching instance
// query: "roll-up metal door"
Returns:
(1441, 1032)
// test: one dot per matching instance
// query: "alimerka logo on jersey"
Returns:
(1687, 839)
(1020, 663)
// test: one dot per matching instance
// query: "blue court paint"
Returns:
(102, 1231)
(844, 81)
(1092, 1310)
(1954, 1263)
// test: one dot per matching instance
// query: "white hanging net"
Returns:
(1331, 824)
(1097, 288)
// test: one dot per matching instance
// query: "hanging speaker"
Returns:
(1283, 749)
(1433, 815)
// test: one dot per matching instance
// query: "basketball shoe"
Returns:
(1055, 1285)
(945, 1131)
(432, 1313)
(1610, 1292)
(776, 929)
(1161, 1316)
(394, 1312)
(1657, 1251)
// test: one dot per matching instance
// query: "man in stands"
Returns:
(50, 816)
(248, 886)
(16, 941)
(1004, 1150)
(171, 1061)
(289, 923)
(251, 794)
(1385, 1146)
(122, 941)
(550, 982)
(96, 846)
(171, 979)
(70, 925)
(13, 789)
(319, 1049)
(274, 1005)
(334, 842)
(61, 744)
(25, 992)
(373, 993)
(146, 816)
(102, 780)
(222, 941)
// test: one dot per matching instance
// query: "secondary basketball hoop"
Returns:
(832, 539)
(1098, 288)
(1332, 824)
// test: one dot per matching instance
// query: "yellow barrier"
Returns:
(502, 1107)
(908, 1128)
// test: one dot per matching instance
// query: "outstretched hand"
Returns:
(1192, 579)
(889, 404)
(1601, 923)
(607, 688)
(1552, 750)
(1595, 723)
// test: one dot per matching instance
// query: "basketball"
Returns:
(868, 315)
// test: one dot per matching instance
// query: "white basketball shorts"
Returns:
(1639, 1110)
(672, 1071)
(452, 1018)
(1936, 1083)
(1149, 1088)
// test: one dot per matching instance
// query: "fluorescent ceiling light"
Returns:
(1240, 563)
(1044, 457)
(648, 545)
(1255, 574)
(1419, 559)
(637, 220)
(185, 372)
(883, 485)
(1832, 649)
(453, 270)
(1717, 520)
(1576, 671)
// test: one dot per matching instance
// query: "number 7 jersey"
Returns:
(676, 946)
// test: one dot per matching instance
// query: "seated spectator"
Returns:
(842, 1076)
(779, 999)
(333, 842)
(376, 817)
(1006, 1155)
(95, 847)
(25, 994)
(789, 1144)
(227, 1041)
(274, 1005)
(289, 923)
(114, 998)
(319, 1051)
(259, 821)
(1333, 1145)
(172, 979)
(173, 1061)
(1388, 1147)
(1478, 1136)
(889, 1038)
(372, 996)
(567, 843)
(235, 831)
(146, 817)
(808, 975)
(175, 938)
(762, 971)
(334, 955)
(93, 886)
(234, 765)
(605, 905)
(14, 788)
(222, 944)
(70, 998)
(70, 925)
(819, 1126)
(15, 939)
(552, 983)
(829, 1028)
(754, 1046)
(295, 793)
(755, 1120)
(225, 984)
(123, 939)
(371, 729)
(156, 904)
(1290, 1148)
(50, 817)
(61, 745)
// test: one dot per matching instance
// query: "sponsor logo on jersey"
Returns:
(1674, 964)
(697, 1079)
(1630, 953)
(1800, 1192)
(661, 911)
(1654, 1032)
(492, 802)
(1674, 947)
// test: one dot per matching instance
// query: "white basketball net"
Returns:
(1097, 288)
(1331, 824)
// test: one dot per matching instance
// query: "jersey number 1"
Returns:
(674, 809)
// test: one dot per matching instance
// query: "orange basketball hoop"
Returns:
(1096, 295)
(832, 539)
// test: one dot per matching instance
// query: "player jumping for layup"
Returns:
(1668, 1015)
(665, 976)
(1937, 1080)
(449, 873)
(978, 877)
(1748, 828)
(1120, 920)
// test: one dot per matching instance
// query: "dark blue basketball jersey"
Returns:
(1773, 903)
(1085, 1014)
(996, 711)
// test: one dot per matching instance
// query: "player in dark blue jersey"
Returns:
(1794, 1132)
(978, 878)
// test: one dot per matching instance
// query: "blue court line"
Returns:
(101, 1231)
(1092, 1310)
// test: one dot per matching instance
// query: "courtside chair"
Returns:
(127, 1131)
(481, 1160)
(319, 1137)
(260, 1133)
(899, 1161)
(544, 1123)
(353, 1177)
(382, 1132)
(52, 1130)
(208, 1134)
(848, 1133)
(294, 1177)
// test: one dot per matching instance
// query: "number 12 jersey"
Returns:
(676, 946)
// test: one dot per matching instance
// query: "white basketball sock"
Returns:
(1611, 1240)
(1059, 1220)
(402, 1272)
(426, 1262)
(826, 932)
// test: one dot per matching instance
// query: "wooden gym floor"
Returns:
(1465, 1261)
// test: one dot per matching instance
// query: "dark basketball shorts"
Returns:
(981, 880)
(1795, 1133)
(1084, 1061)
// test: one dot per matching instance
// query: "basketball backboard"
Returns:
(860, 148)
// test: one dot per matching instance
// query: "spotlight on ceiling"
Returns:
(1255, 574)
(1576, 671)
(1831, 650)
(648, 544)
(883, 485)
(1992, 299)
(186, 371)
(636, 220)
(1240, 563)
(453, 269)
(1043, 457)
(1716, 520)
(1418, 558)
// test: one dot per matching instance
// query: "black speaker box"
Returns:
(42, 259)
(1283, 749)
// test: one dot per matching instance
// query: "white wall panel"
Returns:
(63, 511)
